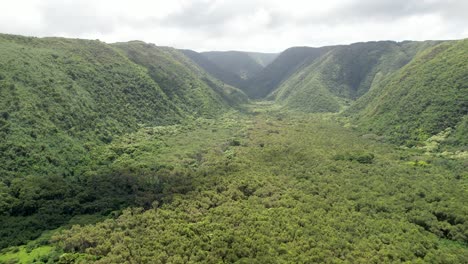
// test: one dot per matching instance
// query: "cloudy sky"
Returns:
(253, 25)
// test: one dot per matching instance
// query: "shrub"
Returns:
(361, 157)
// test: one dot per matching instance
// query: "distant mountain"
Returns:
(239, 63)
(425, 97)
(286, 64)
(264, 59)
(232, 67)
(215, 70)
(344, 73)
(185, 83)
(244, 64)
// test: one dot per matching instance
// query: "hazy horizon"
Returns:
(255, 26)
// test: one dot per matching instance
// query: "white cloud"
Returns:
(261, 25)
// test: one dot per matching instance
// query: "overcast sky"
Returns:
(251, 25)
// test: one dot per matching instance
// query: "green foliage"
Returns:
(364, 158)
(278, 71)
(138, 156)
(61, 99)
(425, 97)
(22, 255)
(196, 93)
(343, 74)
(290, 200)
(458, 137)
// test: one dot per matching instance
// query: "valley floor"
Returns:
(273, 187)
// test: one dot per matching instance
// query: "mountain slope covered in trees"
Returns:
(62, 98)
(286, 64)
(424, 98)
(182, 81)
(344, 74)
(214, 70)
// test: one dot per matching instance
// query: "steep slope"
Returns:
(88, 89)
(344, 74)
(67, 88)
(243, 64)
(62, 99)
(215, 71)
(425, 97)
(182, 81)
(288, 62)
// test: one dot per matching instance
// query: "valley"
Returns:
(136, 153)
(269, 186)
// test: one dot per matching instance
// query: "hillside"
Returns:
(62, 98)
(344, 74)
(286, 64)
(425, 97)
(237, 62)
(244, 64)
(214, 70)
(235, 68)
(185, 84)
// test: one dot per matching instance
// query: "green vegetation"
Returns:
(344, 74)
(23, 255)
(133, 153)
(183, 82)
(283, 194)
(214, 70)
(425, 97)
(286, 64)
(257, 74)
(63, 98)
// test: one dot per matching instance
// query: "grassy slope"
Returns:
(271, 188)
(424, 98)
(344, 74)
